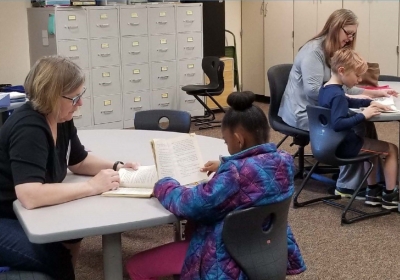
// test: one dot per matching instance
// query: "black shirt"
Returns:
(28, 153)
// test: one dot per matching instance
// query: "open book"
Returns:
(177, 157)
(388, 101)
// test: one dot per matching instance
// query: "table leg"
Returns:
(112, 256)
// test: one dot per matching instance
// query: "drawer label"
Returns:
(190, 66)
(163, 41)
(164, 95)
(134, 15)
(136, 71)
(103, 16)
(190, 39)
(189, 12)
(164, 68)
(107, 102)
(137, 99)
(105, 46)
(163, 14)
(135, 43)
(73, 48)
(72, 17)
(106, 74)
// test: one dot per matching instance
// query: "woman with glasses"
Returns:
(38, 143)
(311, 69)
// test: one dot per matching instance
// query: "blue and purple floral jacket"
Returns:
(258, 176)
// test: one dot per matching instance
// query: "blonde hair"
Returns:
(350, 60)
(50, 78)
(331, 31)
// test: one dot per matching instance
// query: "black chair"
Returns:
(178, 121)
(256, 238)
(324, 143)
(389, 78)
(23, 275)
(278, 76)
(214, 69)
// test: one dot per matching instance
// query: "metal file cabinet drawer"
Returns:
(190, 71)
(189, 18)
(188, 102)
(103, 23)
(189, 45)
(135, 49)
(71, 24)
(83, 116)
(88, 83)
(77, 51)
(135, 102)
(163, 99)
(107, 109)
(133, 21)
(162, 47)
(136, 77)
(106, 80)
(104, 52)
(161, 20)
(163, 74)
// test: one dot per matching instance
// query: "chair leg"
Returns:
(297, 204)
(283, 140)
(205, 122)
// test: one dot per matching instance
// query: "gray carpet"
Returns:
(364, 250)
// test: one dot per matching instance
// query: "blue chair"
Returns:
(324, 143)
(23, 275)
(177, 121)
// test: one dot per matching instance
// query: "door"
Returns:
(304, 22)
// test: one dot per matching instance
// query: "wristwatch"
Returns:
(116, 164)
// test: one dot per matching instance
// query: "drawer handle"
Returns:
(74, 57)
(163, 77)
(105, 83)
(161, 22)
(135, 80)
(164, 104)
(190, 74)
(133, 23)
(189, 48)
(102, 25)
(77, 117)
(71, 26)
(104, 54)
(188, 21)
(162, 50)
(137, 108)
(190, 101)
(134, 52)
(107, 112)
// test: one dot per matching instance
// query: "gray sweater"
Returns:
(308, 74)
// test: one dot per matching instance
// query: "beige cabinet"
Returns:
(267, 40)
(378, 32)
(309, 17)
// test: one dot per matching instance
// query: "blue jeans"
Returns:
(18, 253)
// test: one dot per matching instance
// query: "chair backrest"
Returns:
(389, 78)
(210, 65)
(221, 84)
(278, 77)
(256, 238)
(179, 121)
(324, 140)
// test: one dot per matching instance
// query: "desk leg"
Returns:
(112, 256)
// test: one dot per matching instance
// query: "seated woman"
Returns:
(255, 174)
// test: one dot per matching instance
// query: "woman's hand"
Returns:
(133, 165)
(210, 167)
(105, 180)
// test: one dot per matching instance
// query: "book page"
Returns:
(388, 101)
(130, 192)
(180, 159)
(143, 177)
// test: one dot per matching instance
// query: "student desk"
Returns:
(108, 216)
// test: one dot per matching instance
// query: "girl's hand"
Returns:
(358, 96)
(388, 92)
(210, 167)
(105, 180)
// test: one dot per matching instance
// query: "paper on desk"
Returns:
(388, 101)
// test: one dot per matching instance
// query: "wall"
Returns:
(14, 47)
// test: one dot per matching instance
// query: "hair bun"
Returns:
(241, 101)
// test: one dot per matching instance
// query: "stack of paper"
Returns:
(388, 101)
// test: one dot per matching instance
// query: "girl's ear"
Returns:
(240, 139)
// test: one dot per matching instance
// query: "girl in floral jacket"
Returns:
(255, 174)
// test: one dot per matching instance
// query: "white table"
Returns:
(108, 216)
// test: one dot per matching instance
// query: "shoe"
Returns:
(390, 201)
(348, 193)
(373, 197)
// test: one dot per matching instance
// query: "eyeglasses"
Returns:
(75, 99)
(350, 35)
